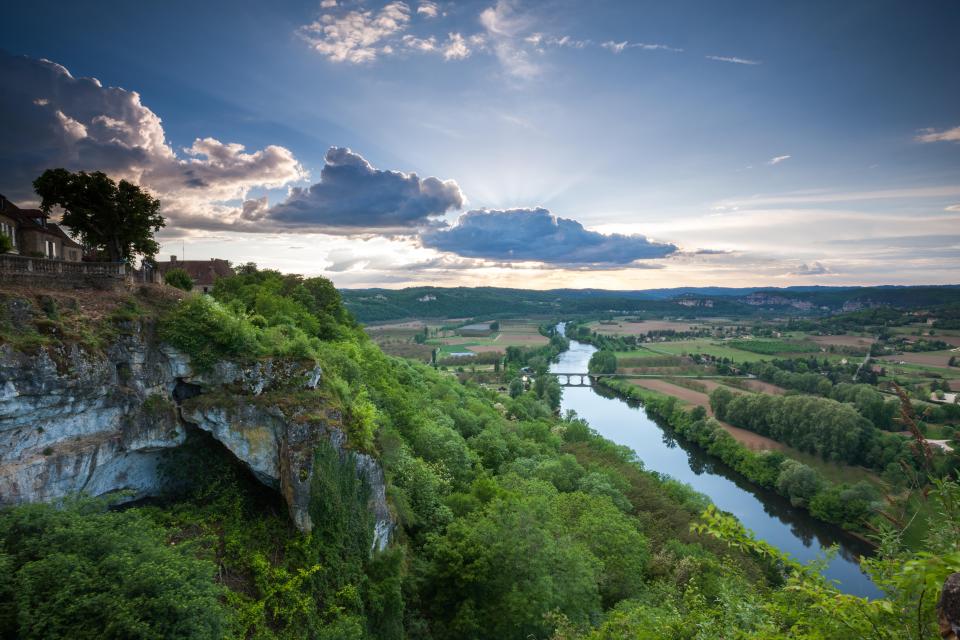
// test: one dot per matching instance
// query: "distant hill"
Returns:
(382, 305)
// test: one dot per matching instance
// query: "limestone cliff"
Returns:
(97, 421)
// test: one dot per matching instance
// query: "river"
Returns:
(767, 514)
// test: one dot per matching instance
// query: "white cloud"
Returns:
(506, 31)
(778, 159)
(328, 4)
(455, 48)
(540, 40)
(428, 9)
(932, 135)
(953, 207)
(420, 44)
(358, 36)
(78, 124)
(362, 36)
(619, 47)
(732, 59)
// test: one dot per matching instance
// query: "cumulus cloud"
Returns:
(534, 235)
(778, 159)
(932, 135)
(353, 197)
(79, 124)
(358, 36)
(811, 269)
(620, 47)
(733, 60)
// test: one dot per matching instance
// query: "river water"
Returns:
(767, 514)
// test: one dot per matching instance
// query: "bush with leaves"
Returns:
(82, 571)
(178, 278)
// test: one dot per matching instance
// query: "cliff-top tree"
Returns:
(116, 219)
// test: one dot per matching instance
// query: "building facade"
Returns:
(32, 234)
(203, 273)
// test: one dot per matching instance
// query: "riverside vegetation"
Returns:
(513, 522)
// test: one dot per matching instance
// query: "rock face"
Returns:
(72, 421)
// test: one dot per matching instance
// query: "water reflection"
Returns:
(767, 514)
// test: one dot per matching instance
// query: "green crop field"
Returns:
(775, 347)
(709, 347)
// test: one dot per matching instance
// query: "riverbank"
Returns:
(838, 504)
(767, 514)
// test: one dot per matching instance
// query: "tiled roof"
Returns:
(27, 219)
(200, 271)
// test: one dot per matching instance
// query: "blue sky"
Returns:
(763, 143)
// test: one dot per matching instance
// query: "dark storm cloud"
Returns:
(353, 197)
(536, 235)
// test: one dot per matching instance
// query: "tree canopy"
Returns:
(116, 219)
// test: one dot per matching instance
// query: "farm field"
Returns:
(949, 339)
(844, 340)
(709, 347)
(928, 358)
(624, 328)
(397, 338)
(833, 471)
(919, 372)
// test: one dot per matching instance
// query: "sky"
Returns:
(602, 144)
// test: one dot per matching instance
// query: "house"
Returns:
(203, 272)
(33, 234)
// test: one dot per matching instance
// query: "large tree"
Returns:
(116, 219)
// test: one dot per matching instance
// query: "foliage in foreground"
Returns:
(513, 522)
(81, 571)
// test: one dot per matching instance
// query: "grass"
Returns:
(917, 370)
(775, 347)
(637, 354)
(708, 347)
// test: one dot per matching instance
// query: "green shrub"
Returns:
(178, 278)
(84, 572)
(6, 244)
(208, 331)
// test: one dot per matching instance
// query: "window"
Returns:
(7, 230)
(51, 248)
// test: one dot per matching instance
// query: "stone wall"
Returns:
(73, 421)
(60, 274)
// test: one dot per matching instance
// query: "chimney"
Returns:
(173, 259)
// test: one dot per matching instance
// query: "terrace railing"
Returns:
(12, 264)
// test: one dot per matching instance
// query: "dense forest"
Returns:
(381, 305)
(513, 521)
